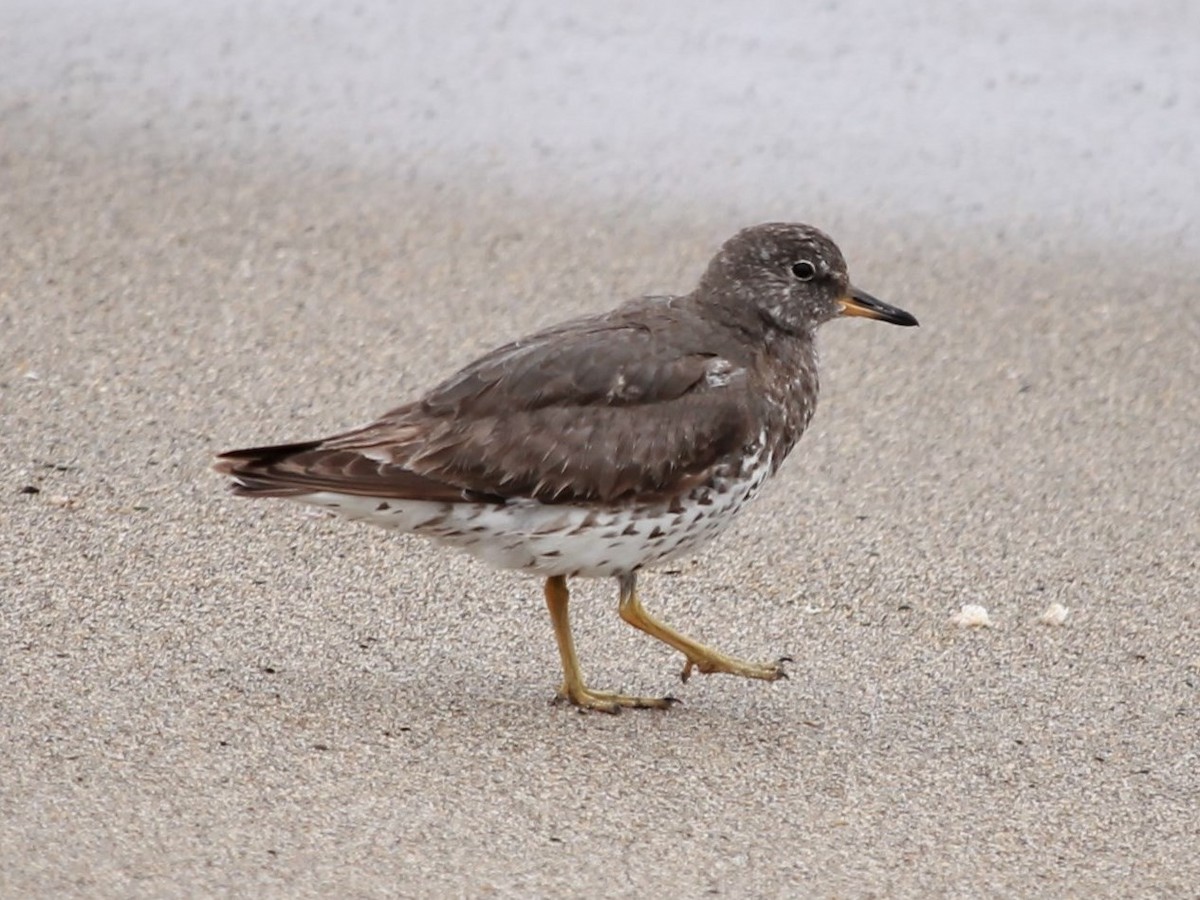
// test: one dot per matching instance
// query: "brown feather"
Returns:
(559, 417)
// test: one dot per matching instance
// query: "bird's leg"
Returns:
(699, 657)
(573, 688)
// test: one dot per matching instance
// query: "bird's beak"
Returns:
(860, 303)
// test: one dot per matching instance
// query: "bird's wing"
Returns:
(594, 410)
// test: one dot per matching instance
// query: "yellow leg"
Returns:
(573, 688)
(699, 657)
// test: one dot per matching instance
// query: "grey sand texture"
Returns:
(262, 222)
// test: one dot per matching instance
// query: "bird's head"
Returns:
(792, 277)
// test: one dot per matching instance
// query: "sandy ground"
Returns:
(231, 223)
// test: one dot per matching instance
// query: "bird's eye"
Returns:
(804, 270)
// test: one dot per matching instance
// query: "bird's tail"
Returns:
(253, 470)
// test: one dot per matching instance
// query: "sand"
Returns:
(232, 226)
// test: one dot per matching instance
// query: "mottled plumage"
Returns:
(601, 445)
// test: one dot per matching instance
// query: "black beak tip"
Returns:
(863, 304)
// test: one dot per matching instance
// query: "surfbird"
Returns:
(601, 446)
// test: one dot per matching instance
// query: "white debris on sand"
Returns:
(1055, 614)
(972, 615)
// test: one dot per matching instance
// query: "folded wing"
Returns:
(595, 410)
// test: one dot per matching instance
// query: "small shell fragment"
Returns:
(1055, 614)
(972, 615)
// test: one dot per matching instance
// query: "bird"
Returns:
(601, 446)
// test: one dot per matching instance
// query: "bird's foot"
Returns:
(609, 701)
(711, 661)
